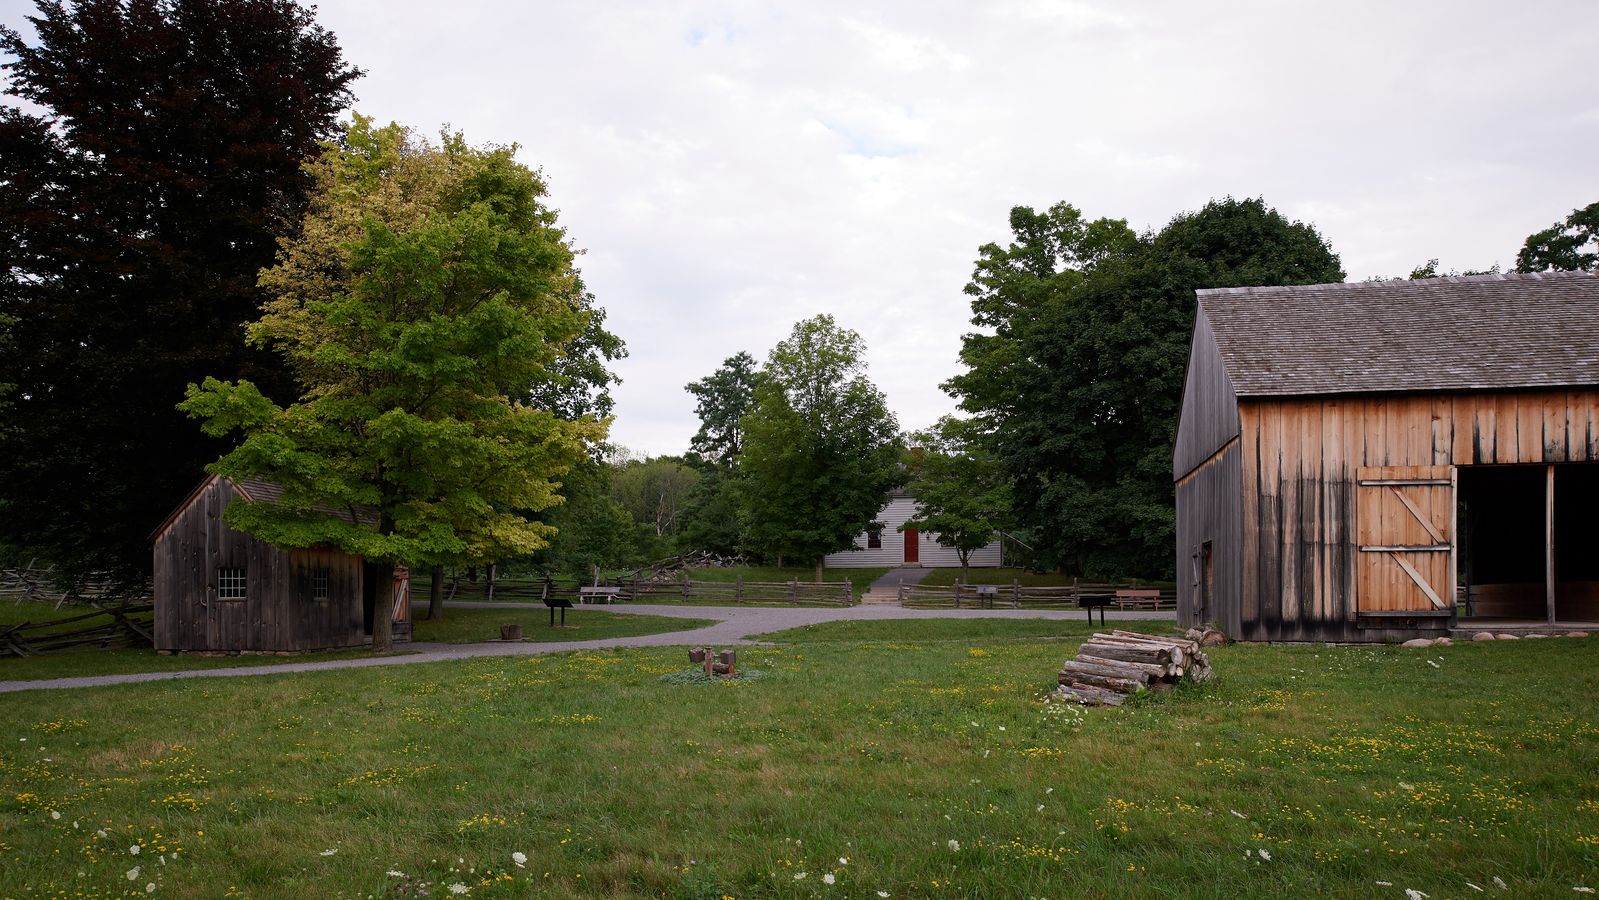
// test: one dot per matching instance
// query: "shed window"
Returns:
(319, 584)
(230, 583)
(874, 536)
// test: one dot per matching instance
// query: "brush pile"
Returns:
(1111, 666)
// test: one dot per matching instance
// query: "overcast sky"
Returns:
(732, 168)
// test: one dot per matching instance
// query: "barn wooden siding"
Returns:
(1301, 462)
(276, 612)
(1209, 511)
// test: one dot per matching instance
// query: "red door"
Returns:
(913, 546)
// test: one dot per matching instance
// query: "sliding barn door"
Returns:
(1406, 533)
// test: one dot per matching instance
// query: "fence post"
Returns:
(793, 592)
(1016, 593)
(738, 588)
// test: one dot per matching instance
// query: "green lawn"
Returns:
(459, 626)
(914, 759)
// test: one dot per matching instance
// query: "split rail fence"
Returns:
(1016, 596)
(107, 626)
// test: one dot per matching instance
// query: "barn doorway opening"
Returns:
(1511, 545)
(372, 575)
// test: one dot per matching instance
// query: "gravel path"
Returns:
(734, 628)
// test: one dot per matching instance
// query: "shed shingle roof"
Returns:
(1479, 332)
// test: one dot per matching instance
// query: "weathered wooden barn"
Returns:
(217, 589)
(1381, 460)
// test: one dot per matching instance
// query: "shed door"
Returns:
(1406, 533)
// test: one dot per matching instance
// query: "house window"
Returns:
(874, 536)
(230, 583)
(319, 584)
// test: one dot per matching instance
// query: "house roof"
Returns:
(255, 490)
(1480, 332)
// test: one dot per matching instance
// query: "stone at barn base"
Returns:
(1506, 637)
(1483, 636)
(1576, 634)
(1417, 642)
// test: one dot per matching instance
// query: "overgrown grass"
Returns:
(583, 623)
(915, 761)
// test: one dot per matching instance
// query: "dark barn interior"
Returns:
(1509, 541)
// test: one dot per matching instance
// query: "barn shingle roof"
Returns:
(1480, 332)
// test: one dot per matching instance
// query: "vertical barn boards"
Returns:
(277, 611)
(1207, 465)
(1302, 462)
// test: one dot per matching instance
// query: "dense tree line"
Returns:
(152, 163)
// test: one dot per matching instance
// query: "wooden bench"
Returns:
(1138, 599)
(598, 594)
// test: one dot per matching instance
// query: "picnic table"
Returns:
(1138, 599)
(598, 594)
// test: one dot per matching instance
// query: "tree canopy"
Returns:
(1569, 246)
(722, 400)
(821, 450)
(1076, 380)
(155, 159)
(960, 490)
(426, 301)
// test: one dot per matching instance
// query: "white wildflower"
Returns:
(133, 874)
(954, 846)
(520, 859)
(843, 860)
(828, 878)
(1049, 790)
(1237, 813)
(1583, 890)
(1500, 883)
(1414, 894)
(459, 888)
(1405, 787)
(799, 876)
(985, 754)
(882, 893)
(328, 852)
(55, 813)
(1385, 884)
(1040, 808)
(1001, 728)
(149, 888)
(134, 850)
(395, 873)
(1264, 855)
(1474, 887)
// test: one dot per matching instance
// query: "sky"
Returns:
(731, 168)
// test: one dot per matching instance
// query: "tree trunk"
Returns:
(966, 569)
(819, 571)
(383, 613)
(436, 595)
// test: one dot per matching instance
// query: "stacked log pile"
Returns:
(1111, 666)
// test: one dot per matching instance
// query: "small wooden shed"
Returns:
(1375, 461)
(217, 589)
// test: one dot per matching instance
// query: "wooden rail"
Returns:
(754, 593)
(119, 626)
(1015, 596)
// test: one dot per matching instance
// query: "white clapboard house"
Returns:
(883, 544)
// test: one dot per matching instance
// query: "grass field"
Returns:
(457, 626)
(913, 759)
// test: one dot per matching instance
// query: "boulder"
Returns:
(1507, 637)
(1417, 643)
(1213, 639)
(1483, 636)
(1441, 642)
(1576, 634)
(1537, 635)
